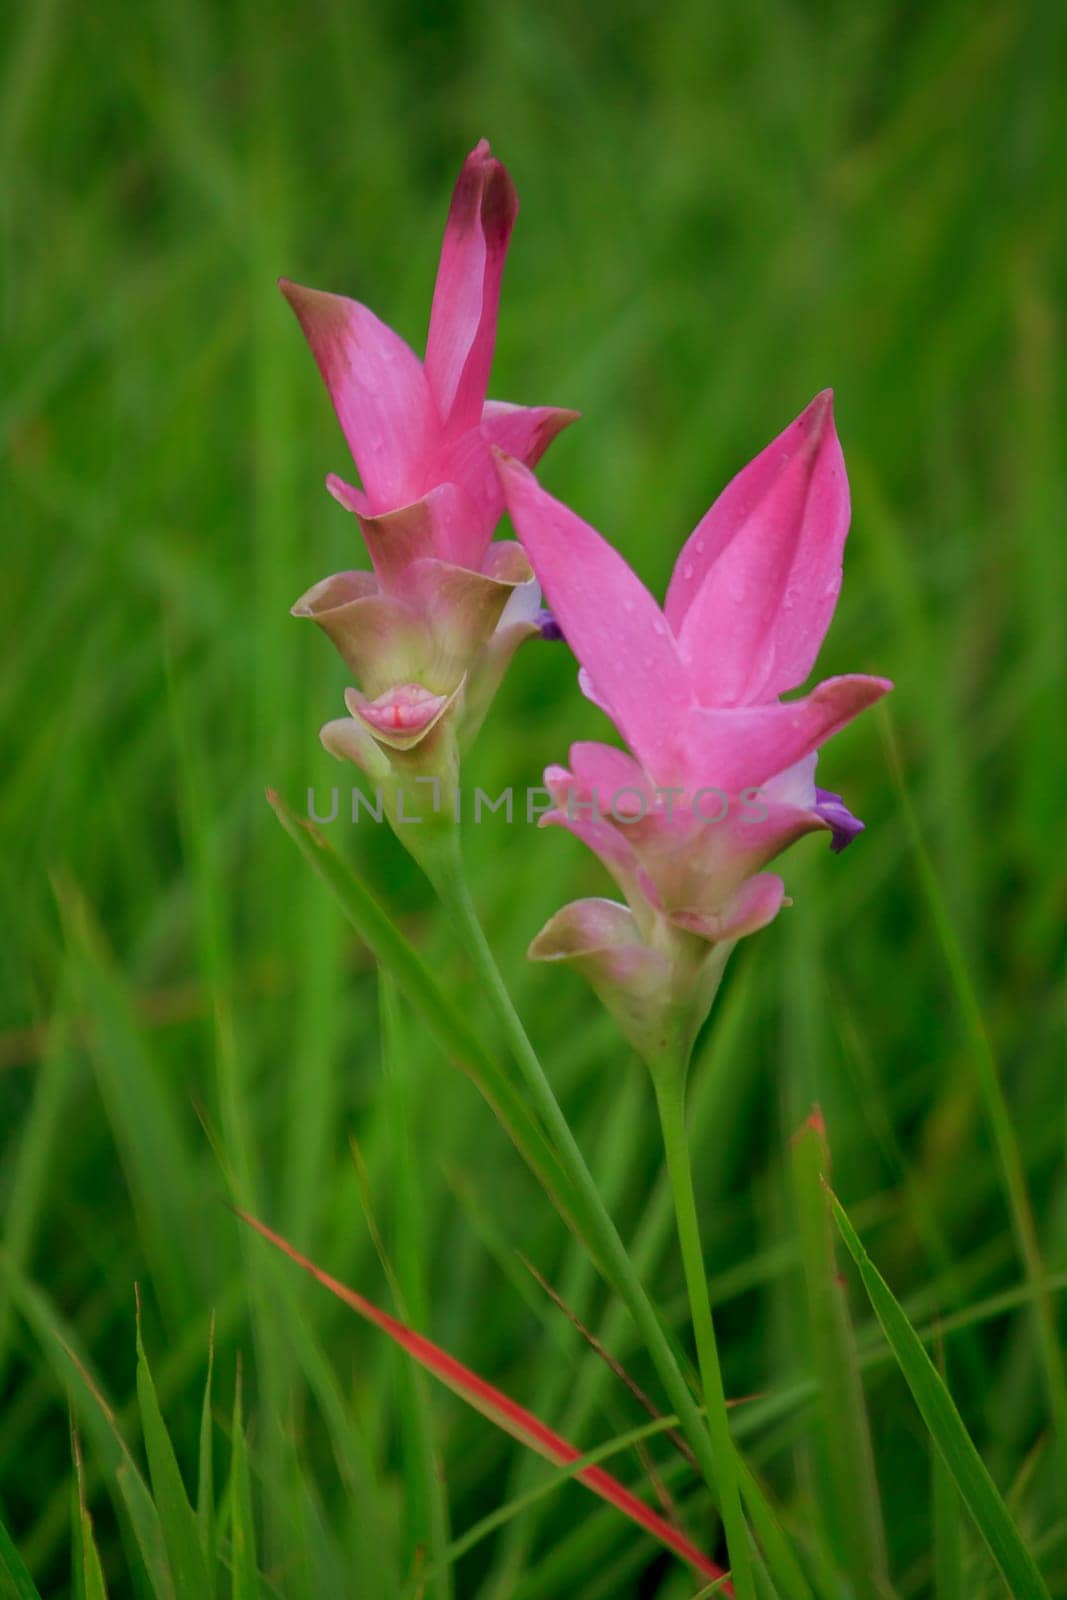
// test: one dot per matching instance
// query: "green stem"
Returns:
(450, 882)
(670, 1098)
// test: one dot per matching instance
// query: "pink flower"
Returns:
(421, 434)
(720, 774)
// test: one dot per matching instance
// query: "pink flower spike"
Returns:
(430, 498)
(378, 389)
(755, 587)
(459, 346)
(608, 618)
(719, 776)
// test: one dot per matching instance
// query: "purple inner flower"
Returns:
(549, 627)
(843, 825)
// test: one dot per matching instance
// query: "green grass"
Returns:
(723, 211)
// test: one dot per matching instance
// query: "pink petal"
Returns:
(604, 838)
(757, 902)
(403, 715)
(608, 618)
(466, 462)
(348, 740)
(378, 389)
(755, 587)
(435, 527)
(524, 603)
(602, 941)
(397, 538)
(461, 609)
(593, 927)
(524, 432)
(588, 687)
(742, 747)
(380, 638)
(615, 778)
(347, 495)
(517, 622)
(459, 347)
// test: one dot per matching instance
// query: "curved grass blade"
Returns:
(499, 1408)
(15, 1580)
(58, 1343)
(969, 1473)
(181, 1532)
(851, 1498)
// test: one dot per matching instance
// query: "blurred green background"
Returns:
(723, 211)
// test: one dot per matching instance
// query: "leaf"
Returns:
(545, 1486)
(780, 1559)
(91, 1572)
(969, 1473)
(982, 1059)
(205, 1487)
(948, 1532)
(245, 1576)
(15, 1581)
(99, 1420)
(140, 1101)
(181, 1534)
(426, 1499)
(853, 1509)
(499, 1408)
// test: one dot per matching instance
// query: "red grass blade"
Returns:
(497, 1406)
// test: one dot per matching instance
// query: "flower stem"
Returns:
(451, 885)
(670, 1099)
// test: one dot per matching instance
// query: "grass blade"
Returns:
(15, 1581)
(969, 1473)
(181, 1533)
(851, 1499)
(499, 1408)
(245, 1576)
(205, 1483)
(546, 1486)
(991, 1092)
(427, 1499)
(90, 1573)
(948, 1532)
(99, 1421)
(139, 1100)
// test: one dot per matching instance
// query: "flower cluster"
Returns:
(430, 631)
(695, 689)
